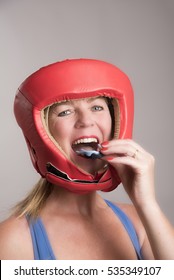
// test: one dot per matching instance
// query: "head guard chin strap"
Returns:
(67, 80)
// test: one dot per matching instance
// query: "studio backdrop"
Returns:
(135, 35)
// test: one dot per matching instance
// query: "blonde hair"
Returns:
(35, 200)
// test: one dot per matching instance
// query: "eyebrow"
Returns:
(67, 102)
(88, 99)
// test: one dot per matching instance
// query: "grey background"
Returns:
(135, 35)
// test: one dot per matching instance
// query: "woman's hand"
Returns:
(135, 168)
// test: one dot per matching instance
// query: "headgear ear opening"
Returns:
(67, 80)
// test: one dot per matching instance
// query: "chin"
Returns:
(96, 165)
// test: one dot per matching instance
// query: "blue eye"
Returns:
(97, 108)
(64, 113)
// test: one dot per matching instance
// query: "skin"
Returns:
(137, 175)
(83, 119)
(83, 235)
(135, 167)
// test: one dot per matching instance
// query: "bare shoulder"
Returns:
(132, 214)
(129, 210)
(15, 240)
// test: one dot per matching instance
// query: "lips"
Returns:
(87, 143)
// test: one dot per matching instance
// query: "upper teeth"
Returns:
(85, 140)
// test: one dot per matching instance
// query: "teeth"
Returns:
(86, 140)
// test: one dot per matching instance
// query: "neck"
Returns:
(64, 201)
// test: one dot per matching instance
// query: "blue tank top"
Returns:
(42, 247)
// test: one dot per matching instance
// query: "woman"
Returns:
(77, 117)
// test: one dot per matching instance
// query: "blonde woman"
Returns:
(77, 119)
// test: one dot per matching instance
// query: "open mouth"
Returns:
(87, 144)
(88, 148)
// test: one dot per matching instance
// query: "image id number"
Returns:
(136, 270)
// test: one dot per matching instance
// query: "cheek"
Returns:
(58, 131)
(107, 126)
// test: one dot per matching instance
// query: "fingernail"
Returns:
(104, 149)
(105, 143)
(110, 158)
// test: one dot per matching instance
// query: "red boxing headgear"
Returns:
(67, 80)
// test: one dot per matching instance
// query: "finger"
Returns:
(123, 147)
(124, 160)
(120, 150)
(122, 142)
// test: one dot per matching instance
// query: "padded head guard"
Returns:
(66, 80)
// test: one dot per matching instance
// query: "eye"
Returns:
(97, 108)
(64, 113)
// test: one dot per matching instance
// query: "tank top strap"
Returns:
(128, 226)
(41, 245)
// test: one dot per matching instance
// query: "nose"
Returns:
(84, 119)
